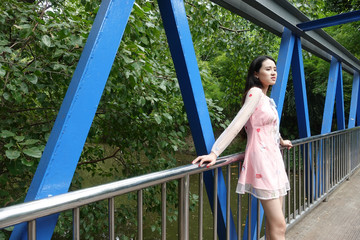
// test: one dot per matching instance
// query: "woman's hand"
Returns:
(286, 143)
(211, 158)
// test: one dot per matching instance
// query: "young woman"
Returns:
(263, 173)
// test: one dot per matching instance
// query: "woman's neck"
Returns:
(264, 89)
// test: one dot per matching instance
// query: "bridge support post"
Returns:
(354, 105)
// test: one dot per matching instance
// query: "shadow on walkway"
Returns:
(337, 219)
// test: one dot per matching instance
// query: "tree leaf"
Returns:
(33, 152)
(27, 162)
(6, 96)
(46, 40)
(12, 154)
(19, 138)
(157, 118)
(2, 72)
(32, 78)
(29, 142)
(6, 133)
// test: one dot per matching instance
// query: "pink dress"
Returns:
(263, 171)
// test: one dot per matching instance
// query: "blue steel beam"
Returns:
(301, 102)
(63, 149)
(330, 96)
(354, 100)
(340, 113)
(330, 21)
(283, 69)
(182, 51)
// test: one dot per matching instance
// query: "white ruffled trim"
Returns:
(262, 193)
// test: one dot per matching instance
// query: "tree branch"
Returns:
(100, 160)
(233, 30)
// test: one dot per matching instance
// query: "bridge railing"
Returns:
(315, 166)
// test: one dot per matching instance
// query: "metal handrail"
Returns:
(340, 140)
(43, 207)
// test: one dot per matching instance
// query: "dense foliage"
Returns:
(140, 123)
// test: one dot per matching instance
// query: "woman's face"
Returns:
(267, 73)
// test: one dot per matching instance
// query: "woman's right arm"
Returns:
(251, 101)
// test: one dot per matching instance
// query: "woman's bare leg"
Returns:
(267, 230)
(275, 221)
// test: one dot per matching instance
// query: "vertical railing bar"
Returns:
(228, 202)
(163, 211)
(349, 157)
(239, 217)
(344, 154)
(338, 160)
(76, 223)
(201, 204)
(341, 156)
(327, 166)
(31, 227)
(288, 195)
(249, 217)
(348, 151)
(111, 206)
(258, 220)
(323, 184)
(304, 164)
(180, 209)
(313, 172)
(186, 206)
(285, 197)
(140, 214)
(294, 179)
(309, 160)
(324, 166)
(215, 202)
(317, 157)
(332, 162)
(299, 177)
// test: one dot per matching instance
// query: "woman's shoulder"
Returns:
(255, 91)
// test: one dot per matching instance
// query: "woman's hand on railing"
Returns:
(211, 158)
(286, 143)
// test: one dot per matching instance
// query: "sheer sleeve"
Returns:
(251, 101)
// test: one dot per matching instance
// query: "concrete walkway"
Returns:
(337, 219)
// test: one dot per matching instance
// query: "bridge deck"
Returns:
(337, 219)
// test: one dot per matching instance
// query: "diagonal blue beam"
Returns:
(301, 102)
(340, 113)
(283, 69)
(354, 100)
(330, 96)
(330, 21)
(63, 149)
(182, 51)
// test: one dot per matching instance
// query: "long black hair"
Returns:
(251, 80)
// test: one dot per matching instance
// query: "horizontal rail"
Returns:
(43, 207)
(274, 15)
